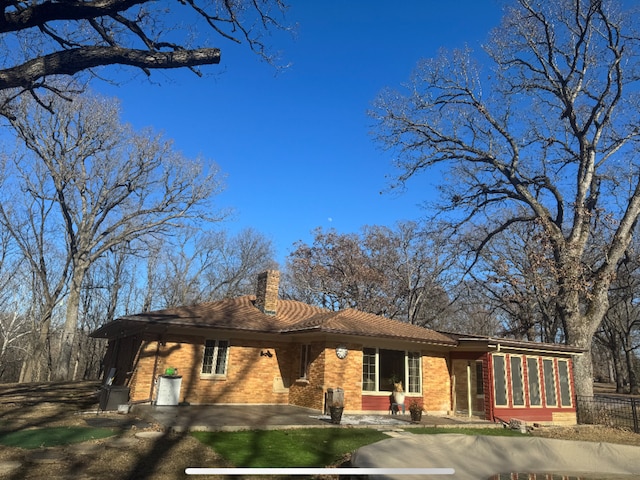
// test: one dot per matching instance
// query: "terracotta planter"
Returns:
(336, 414)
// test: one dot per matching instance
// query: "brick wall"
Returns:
(255, 378)
(141, 379)
(345, 373)
(250, 378)
(308, 392)
(436, 386)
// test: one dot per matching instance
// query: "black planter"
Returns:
(416, 416)
(336, 414)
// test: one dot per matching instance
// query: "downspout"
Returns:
(155, 369)
(489, 396)
(469, 404)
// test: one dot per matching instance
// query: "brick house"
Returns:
(264, 350)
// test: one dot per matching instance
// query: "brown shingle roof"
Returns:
(292, 317)
(355, 322)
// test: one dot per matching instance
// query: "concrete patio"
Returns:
(244, 417)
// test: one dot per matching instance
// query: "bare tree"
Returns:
(546, 136)
(515, 274)
(398, 273)
(15, 299)
(471, 313)
(209, 266)
(620, 330)
(108, 185)
(26, 215)
(42, 39)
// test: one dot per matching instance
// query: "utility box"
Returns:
(111, 396)
(168, 392)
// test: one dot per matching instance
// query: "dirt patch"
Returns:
(123, 456)
(126, 456)
(590, 433)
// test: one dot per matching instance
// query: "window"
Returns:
(565, 388)
(500, 380)
(381, 369)
(517, 386)
(214, 361)
(413, 360)
(479, 378)
(369, 369)
(549, 382)
(305, 360)
(533, 376)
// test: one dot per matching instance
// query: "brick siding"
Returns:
(436, 382)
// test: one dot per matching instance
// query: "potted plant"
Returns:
(415, 409)
(335, 410)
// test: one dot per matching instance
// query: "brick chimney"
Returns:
(267, 292)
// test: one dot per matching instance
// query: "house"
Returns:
(264, 350)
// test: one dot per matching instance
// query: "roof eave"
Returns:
(500, 344)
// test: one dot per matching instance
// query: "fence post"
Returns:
(634, 410)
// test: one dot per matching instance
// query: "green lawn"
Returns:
(53, 436)
(309, 447)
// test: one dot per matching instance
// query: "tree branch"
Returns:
(69, 62)
(36, 15)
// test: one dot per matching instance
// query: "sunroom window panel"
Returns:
(517, 386)
(533, 375)
(500, 380)
(565, 388)
(549, 382)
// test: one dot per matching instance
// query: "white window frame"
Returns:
(375, 371)
(214, 345)
(405, 380)
(418, 357)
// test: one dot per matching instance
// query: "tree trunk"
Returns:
(35, 359)
(67, 345)
(633, 378)
(618, 371)
(583, 374)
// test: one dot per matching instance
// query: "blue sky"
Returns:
(295, 145)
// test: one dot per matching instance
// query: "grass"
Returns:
(308, 447)
(52, 437)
